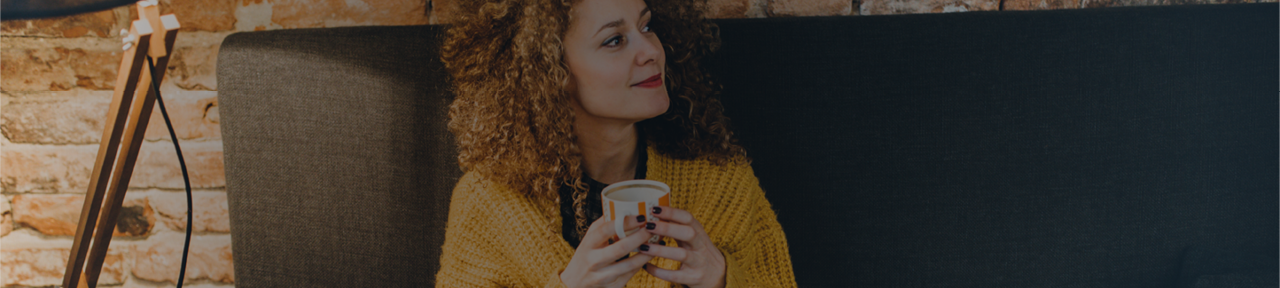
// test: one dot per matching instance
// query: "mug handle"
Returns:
(619, 228)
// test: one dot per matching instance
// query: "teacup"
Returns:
(633, 198)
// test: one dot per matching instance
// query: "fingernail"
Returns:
(657, 210)
(650, 226)
(662, 242)
(640, 218)
(644, 247)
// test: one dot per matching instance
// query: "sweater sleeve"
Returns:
(554, 280)
(466, 259)
(760, 258)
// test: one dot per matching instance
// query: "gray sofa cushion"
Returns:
(1068, 148)
(1078, 148)
(339, 165)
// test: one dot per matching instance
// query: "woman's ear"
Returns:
(570, 85)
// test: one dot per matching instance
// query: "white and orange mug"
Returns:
(633, 198)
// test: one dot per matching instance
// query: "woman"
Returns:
(557, 98)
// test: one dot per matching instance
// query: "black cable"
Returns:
(155, 84)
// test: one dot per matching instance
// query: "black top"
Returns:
(594, 209)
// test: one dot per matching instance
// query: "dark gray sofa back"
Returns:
(339, 165)
(1081, 148)
(1070, 148)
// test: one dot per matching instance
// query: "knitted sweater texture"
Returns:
(497, 237)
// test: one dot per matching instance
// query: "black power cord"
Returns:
(155, 84)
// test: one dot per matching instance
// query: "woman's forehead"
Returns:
(595, 14)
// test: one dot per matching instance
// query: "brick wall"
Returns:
(56, 85)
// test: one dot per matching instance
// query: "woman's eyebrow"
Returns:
(616, 23)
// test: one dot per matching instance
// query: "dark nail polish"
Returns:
(644, 247)
(640, 218)
(661, 242)
(657, 210)
(650, 226)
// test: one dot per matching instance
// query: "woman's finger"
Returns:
(633, 222)
(596, 234)
(674, 253)
(602, 230)
(630, 265)
(675, 215)
(624, 246)
(677, 231)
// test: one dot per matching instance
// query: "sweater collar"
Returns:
(654, 170)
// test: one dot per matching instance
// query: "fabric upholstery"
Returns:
(1064, 148)
(1081, 148)
(339, 164)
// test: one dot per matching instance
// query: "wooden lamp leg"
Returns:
(130, 111)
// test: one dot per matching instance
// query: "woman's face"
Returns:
(616, 64)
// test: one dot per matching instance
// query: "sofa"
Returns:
(1111, 147)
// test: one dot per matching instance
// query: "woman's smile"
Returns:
(652, 82)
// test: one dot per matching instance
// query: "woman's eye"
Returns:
(645, 28)
(613, 41)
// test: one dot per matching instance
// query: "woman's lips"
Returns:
(654, 81)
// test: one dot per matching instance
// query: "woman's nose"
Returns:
(649, 49)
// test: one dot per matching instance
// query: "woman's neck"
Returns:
(608, 149)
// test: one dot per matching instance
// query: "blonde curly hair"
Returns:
(512, 117)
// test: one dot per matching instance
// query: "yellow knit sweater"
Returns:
(497, 237)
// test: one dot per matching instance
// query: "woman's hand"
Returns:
(596, 263)
(701, 264)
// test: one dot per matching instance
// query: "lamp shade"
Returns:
(29, 9)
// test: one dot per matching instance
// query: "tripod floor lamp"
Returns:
(151, 36)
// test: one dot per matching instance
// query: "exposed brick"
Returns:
(210, 209)
(336, 13)
(886, 7)
(136, 217)
(59, 168)
(46, 168)
(6, 217)
(442, 11)
(49, 214)
(98, 24)
(113, 266)
(1040, 4)
(57, 120)
(194, 115)
(33, 267)
(158, 165)
(728, 8)
(27, 260)
(157, 258)
(34, 70)
(58, 69)
(79, 118)
(194, 68)
(810, 7)
(59, 214)
(93, 69)
(202, 15)
(255, 15)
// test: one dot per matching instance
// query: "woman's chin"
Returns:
(653, 105)
(660, 105)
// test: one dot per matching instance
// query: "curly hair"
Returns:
(512, 116)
